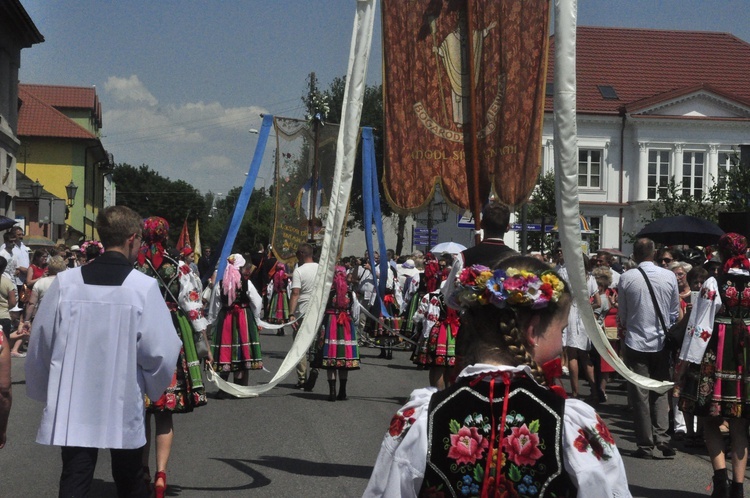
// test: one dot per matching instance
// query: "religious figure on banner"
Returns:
(454, 54)
(428, 78)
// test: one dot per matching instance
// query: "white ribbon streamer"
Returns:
(566, 179)
(337, 208)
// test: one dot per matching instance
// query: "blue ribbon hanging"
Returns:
(372, 213)
(230, 234)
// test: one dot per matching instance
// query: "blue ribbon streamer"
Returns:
(242, 202)
(371, 200)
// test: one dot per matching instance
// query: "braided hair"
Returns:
(498, 335)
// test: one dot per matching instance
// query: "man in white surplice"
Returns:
(102, 337)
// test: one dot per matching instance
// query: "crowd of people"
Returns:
(496, 332)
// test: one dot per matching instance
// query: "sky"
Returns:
(182, 82)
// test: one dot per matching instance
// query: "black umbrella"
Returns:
(682, 230)
(6, 222)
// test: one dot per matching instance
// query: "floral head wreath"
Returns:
(478, 285)
(90, 243)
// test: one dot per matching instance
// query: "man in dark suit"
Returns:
(492, 249)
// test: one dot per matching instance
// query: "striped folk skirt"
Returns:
(336, 345)
(235, 345)
(720, 385)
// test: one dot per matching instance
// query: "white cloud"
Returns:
(204, 143)
(129, 90)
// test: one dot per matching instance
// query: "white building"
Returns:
(651, 105)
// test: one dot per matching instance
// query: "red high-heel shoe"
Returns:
(160, 490)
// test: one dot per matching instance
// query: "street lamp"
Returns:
(36, 190)
(70, 190)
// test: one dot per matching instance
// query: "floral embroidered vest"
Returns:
(460, 439)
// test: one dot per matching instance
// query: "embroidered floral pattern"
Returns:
(468, 445)
(401, 422)
(596, 439)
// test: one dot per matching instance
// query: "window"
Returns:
(608, 92)
(658, 173)
(595, 224)
(692, 174)
(590, 168)
(726, 161)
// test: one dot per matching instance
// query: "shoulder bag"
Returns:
(672, 336)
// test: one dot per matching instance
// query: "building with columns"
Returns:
(651, 105)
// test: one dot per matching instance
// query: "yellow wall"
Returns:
(54, 163)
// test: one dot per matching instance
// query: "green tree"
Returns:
(150, 194)
(541, 209)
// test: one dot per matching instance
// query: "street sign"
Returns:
(424, 240)
(425, 231)
(531, 227)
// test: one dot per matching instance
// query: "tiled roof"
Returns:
(37, 118)
(67, 97)
(641, 64)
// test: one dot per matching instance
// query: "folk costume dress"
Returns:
(336, 345)
(716, 349)
(438, 444)
(278, 306)
(439, 325)
(383, 336)
(186, 391)
(236, 344)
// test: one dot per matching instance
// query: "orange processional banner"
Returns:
(426, 101)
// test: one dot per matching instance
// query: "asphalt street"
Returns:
(289, 443)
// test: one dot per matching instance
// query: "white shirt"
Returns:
(575, 334)
(21, 253)
(94, 351)
(399, 468)
(10, 270)
(303, 278)
(636, 308)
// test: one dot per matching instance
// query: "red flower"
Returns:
(432, 492)
(522, 446)
(581, 443)
(193, 295)
(467, 446)
(731, 294)
(408, 413)
(397, 425)
(185, 269)
(603, 430)
(705, 335)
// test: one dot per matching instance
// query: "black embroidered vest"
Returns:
(460, 436)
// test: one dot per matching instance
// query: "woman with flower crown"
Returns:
(504, 428)
(181, 289)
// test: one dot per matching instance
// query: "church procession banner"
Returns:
(426, 84)
(296, 201)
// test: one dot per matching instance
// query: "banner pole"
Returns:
(472, 160)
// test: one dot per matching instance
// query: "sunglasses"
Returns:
(666, 260)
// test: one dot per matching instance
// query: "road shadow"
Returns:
(257, 479)
(641, 492)
(313, 469)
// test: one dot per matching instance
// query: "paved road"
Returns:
(288, 443)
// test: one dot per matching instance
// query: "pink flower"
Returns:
(522, 446)
(467, 446)
(171, 401)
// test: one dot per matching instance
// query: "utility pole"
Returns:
(312, 92)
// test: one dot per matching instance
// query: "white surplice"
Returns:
(94, 351)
